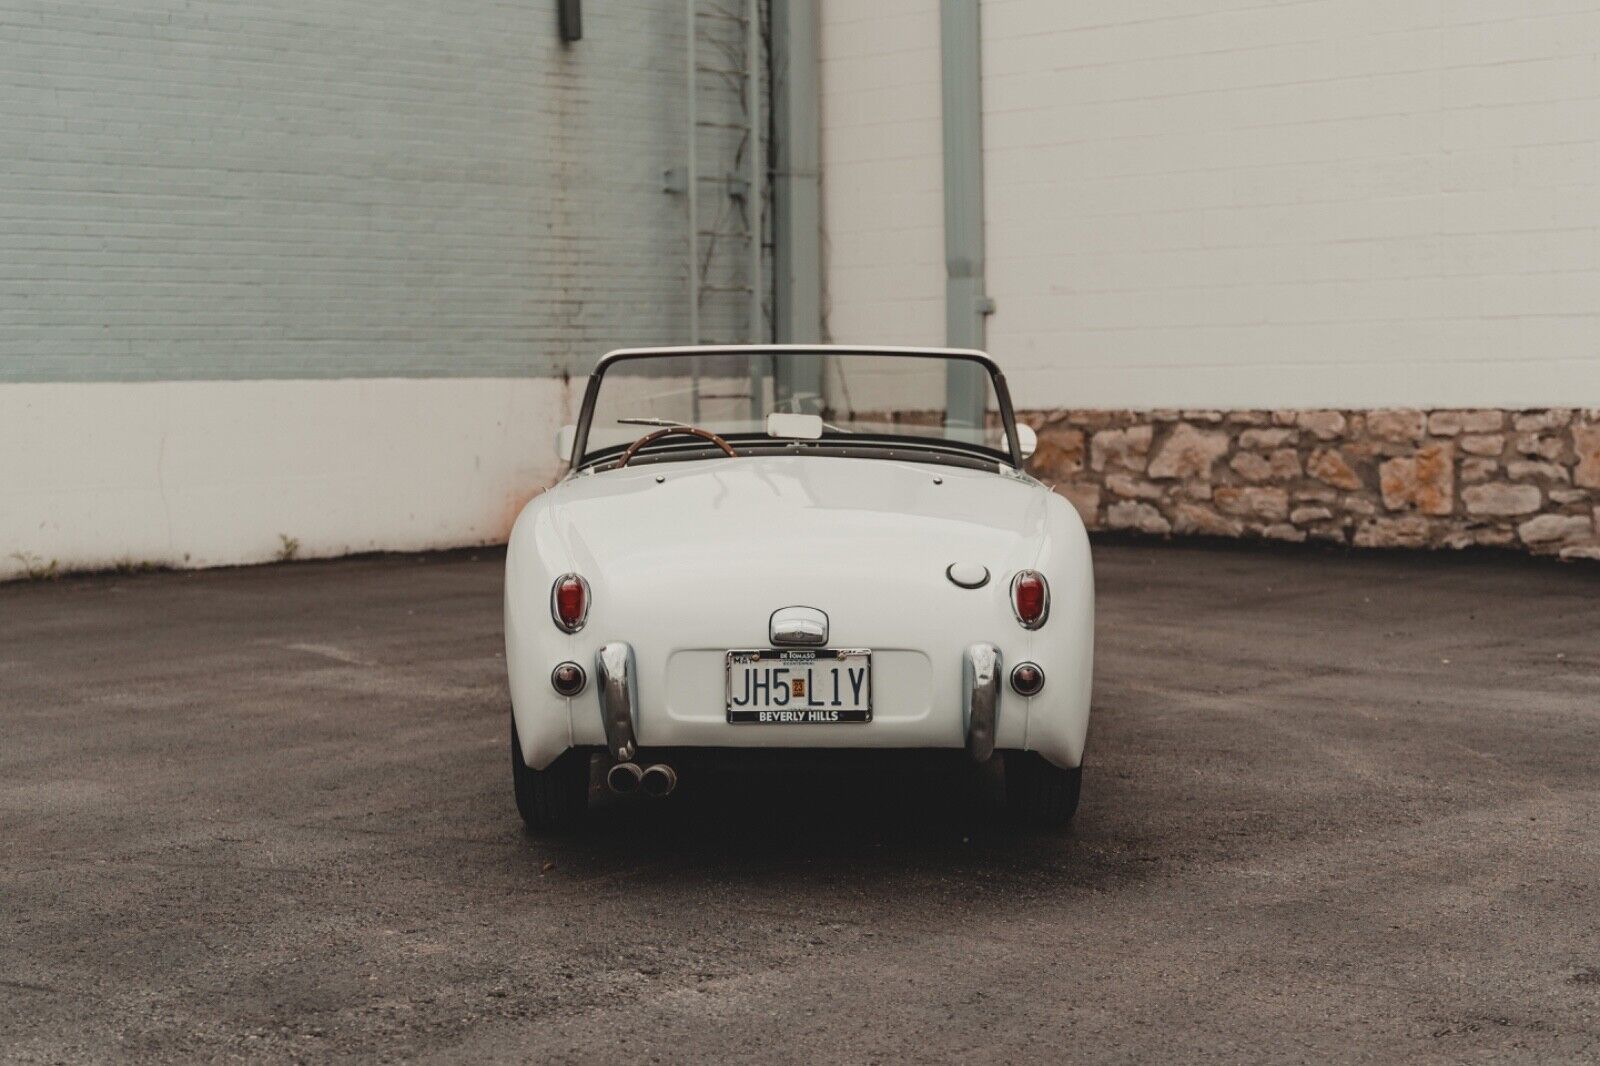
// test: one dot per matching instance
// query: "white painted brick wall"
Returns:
(323, 188)
(338, 192)
(882, 177)
(1337, 202)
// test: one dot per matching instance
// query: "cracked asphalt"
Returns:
(1339, 808)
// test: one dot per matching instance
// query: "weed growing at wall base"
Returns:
(35, 568)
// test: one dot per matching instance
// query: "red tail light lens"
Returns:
(1030, 598)
(569, 602)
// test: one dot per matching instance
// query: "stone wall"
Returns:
(1528, 480)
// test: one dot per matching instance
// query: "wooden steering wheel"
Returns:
(692, 431)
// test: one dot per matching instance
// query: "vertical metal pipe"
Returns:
(758, 173)
(966, 302)
(692, 191)
(796, 195)
(796, 186)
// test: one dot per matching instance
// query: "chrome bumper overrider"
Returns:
(980, 692)
(619, 695)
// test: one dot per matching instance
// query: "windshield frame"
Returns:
(580, 461)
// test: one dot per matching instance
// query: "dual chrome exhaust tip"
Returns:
(627, 778)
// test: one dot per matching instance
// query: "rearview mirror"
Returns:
(1027, 440)
(566, 437)
(794, 427)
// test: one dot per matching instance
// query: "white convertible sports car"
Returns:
(796, 549)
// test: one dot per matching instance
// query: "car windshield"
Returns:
(863, 400)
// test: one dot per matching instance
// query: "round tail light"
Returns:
(569, 602)
(1027, 679)
(1030, 598)
(567, 679)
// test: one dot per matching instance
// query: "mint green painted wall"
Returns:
(203, 189)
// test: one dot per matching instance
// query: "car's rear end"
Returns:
(793, 603)
(785, 549)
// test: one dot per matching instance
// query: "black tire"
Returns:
(1039, 793)
(555, 799)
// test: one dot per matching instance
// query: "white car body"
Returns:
(686, 561)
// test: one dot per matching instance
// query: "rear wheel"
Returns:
(1040, 793)
(553, 799)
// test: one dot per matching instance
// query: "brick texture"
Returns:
(882, 176)
(326, 188)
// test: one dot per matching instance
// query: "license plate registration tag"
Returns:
(793, 687)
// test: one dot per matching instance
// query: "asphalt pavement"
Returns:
(1339, 808)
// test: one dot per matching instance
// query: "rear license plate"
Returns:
(794, 687)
